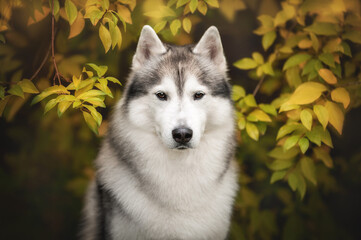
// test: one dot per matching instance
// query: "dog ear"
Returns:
(149, 45)
(210, 46)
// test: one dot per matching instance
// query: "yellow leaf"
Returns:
(260, 116)
(96, 115)
(92, 124)
(124, 13)
(202, 7)
(212, 3)
(62, 107)
(71, 11)
(187, 25)
(76, 82)
(305, 43)
(105, 37)
(322, 115)
(306, 119)
(159, 26)
(28, 86)
(181, 3)
(49, 91)
(252, 131)
(16, 90)
(339, 95)
(229, 7)
(174, 26)
(193, 5)
(306, 93)
(246, 63)
(327, 75)
(77, 27)
(336, 116)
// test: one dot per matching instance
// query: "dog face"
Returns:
(179, 93)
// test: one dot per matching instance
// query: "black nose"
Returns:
(182, 135)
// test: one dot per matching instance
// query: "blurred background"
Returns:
(46, 162)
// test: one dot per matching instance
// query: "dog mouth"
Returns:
(182, 147)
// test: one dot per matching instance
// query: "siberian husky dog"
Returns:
(165, 169)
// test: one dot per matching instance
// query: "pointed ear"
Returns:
(210, 46)
(149, 45)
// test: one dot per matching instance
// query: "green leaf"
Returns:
(324, 156)
(92, 124)
(270, 109)
(95, 114)
(258, 57)
(250, 101)
(306, 118)
(193, 5)
(286, 129)
(279, 153)
(114, 80)
(104, 88)
(293, 181)
(105, 37)
(28, 86)
(304, 144)
(62, 107)
(353, 35)
(323, 28)
(315, 42)
(212, 3)
(315, 136)
(70, 10)
(346, 49)
(181, 3)
(276, 176)
(293, 76)
(16, 90)
(175, 26)
(238, 92)
(187, 24)
(327, 58)
(159, 26)
(291, 142)
(2, 38)
(326, 138)
(296, 60)
(97, 102)
(268, 39)
(308, 169)
(49, 105)
(260, 115)
(101, 70)
(246, 63)
(91, 93)
(322, 114)
(58, 89)
(281, 164)
(252, 131)
(3, 103)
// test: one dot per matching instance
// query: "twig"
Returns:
(57, 75)
(41, 65)
(258, 86)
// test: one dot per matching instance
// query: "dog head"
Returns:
(179, 93)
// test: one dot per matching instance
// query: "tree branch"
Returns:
(41, 65)
(258, 86)
(57, 75)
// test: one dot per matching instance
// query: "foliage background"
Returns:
(46, 161)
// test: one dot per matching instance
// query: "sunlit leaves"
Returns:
(306, 119)
(105, 37)
(252, 131)
(304, 144)
(323, 28)
(296, 60)
(77, 27)
(246, 63)
(28, 86)
(327, 75)
(341, 95)
(268, 39)
(238, 92)
(187, 25)
(322, 114)
(71, 11)
(306, 93)
(336, 116)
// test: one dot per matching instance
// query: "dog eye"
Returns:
(161, 96)
(198, 95)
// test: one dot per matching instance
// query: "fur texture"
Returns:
(148, 185)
